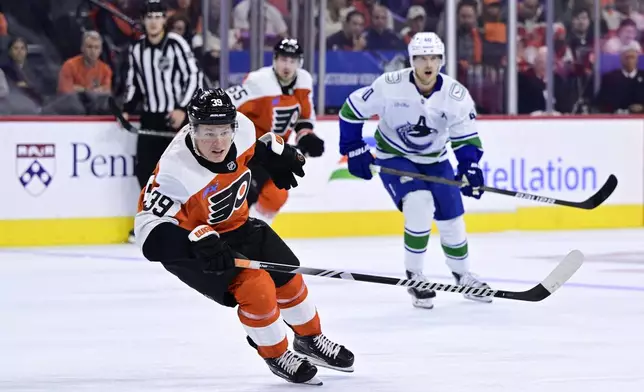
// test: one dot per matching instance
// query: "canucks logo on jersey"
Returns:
(417, 136)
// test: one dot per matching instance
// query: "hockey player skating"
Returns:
(193, 218)
(420, 110)
(278, 99)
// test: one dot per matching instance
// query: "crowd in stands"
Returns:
(67, 56)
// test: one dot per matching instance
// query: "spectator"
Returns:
(4, 86)
(3, 25)
(85, 72)
(275, 25)
(580, 41)
(469, 45)
(4, 93)
(337, 11)
(379, 37)
(434, 11)
(531, 86)
(531, 30)
(622, 10)
(85, 81)
(416, 19)
(190, 10)
(563, 55)
(494, 34)
(365, 7)
(626, 37)
(352, 36)
(25, 86)
(180, 24)
(622, 90)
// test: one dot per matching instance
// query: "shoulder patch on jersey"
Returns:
(457, 91)
(393, 77)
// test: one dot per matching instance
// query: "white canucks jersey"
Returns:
(411, 125)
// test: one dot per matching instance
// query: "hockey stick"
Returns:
(592, 202)
(128, 126)
(564, 270)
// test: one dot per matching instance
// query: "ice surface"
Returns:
(103, 319)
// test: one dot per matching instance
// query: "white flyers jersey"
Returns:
(183, 191)
(410, 124)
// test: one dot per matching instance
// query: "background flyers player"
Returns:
(278, 99)
(193, 218)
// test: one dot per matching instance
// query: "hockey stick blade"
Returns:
(560, 275)
(566, 268)
(128, 126)
(593, 202)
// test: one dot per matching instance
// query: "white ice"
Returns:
(103, 319)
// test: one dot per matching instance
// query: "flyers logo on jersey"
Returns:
(284, 118)
(225, 202)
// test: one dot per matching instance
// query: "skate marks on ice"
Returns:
(78, 323)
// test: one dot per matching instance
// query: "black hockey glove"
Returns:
(309, 143)
(280, 160)
(213, 253)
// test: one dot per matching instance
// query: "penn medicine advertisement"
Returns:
(55, 170)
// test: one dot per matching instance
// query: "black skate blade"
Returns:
(318, 362)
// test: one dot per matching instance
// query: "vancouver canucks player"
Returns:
(420, 110)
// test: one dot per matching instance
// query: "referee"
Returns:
(163, 75)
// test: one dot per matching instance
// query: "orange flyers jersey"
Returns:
(184, 192)
(261, 98)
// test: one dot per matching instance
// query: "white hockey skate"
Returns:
(420, 298)
(470, 280)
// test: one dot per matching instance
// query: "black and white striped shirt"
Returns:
(164, 75)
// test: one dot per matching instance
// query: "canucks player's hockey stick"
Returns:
(128, 126)
(592, 202)
(564, 270)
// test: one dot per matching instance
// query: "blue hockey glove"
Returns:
(472, 175)
(360, 159)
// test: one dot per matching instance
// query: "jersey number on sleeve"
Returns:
(367, 94)
(237, 92)
(228, 200)
(155, 201)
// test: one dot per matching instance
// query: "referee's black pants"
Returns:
(150, 148)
